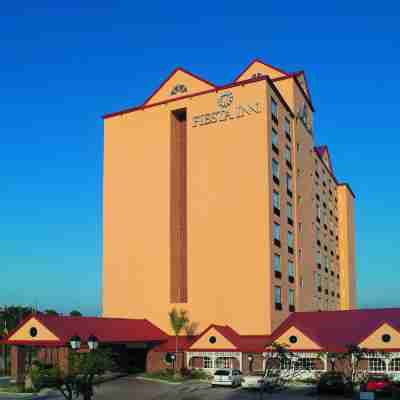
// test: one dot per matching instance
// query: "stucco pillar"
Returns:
(18, 359)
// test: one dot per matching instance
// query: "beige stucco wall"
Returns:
(43, 334)
(221, 342)
(228, 234)
(303, 341)
(375, 342)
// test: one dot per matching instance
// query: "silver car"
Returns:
(227, 377)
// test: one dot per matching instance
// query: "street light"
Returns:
(93, 342)
(75, 342)
(250, 358)
(173, 360)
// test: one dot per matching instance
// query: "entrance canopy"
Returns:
(52, 331)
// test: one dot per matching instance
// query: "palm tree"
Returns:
(178, 319)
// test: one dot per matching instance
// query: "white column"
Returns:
(240, 361)
(325, 362)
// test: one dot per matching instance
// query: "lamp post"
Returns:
(173, 360)
(93, 342)
(250, 359)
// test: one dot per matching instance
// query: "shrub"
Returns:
(199, 374)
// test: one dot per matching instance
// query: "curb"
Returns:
(158, 380)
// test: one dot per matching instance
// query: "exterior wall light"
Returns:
(93, 342)
(75, 342)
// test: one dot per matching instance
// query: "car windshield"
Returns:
(221, 372)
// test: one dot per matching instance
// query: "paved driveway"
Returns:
(131, 388)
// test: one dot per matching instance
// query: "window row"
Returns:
(279, 301)
(278, 268)
(276, 203)
(277, 238)
(276, 177)
(275, 119)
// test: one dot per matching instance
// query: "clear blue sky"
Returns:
(61, 68)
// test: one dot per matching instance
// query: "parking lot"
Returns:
(129, 388)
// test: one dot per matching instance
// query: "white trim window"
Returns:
(394, 365)
(224, 362)
(277, 231)
(291, 269)
(291, 297)
(289, 182)
(287, 127)
(276, 200)
(290, 239)
(278, 295)
(304, 364)
(274, 108)
(289, 210)
(318, 257)
(275, 168)
(207, 362)
(288, 154)
(376, 365)
(275, 137)
(277, 262)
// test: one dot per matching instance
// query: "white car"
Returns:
(253, 381)
(227, 377)
(257, 379)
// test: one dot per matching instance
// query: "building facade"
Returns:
(218, 201)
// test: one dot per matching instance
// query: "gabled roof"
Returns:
(245, 343)
(107, 330)
(334, 330)
(202, 83)
(279, 71)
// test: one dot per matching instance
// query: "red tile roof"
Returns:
(334, 330)
(107, 330)
(244, 343)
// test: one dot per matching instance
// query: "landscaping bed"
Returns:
(177, 376)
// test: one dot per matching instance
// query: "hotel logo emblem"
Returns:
(225, 100)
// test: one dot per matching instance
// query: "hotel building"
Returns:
(218, 200)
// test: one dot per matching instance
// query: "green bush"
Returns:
(44, 376)
(199, 374)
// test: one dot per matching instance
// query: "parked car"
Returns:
(333, 382)
(257, 379)
(253, 381)
(379, 383)
(227, 377)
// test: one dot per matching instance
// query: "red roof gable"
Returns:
(107, 330)
(334, 330)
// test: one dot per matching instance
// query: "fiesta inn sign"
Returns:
(227, 111)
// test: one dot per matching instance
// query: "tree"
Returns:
(75, 313)
(50, 312)
(354, 354)
(178, 319)
(191, 328)
(79, 380)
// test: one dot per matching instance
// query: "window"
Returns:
(300, 226)
(318, 212)
(289, 183)
(278, 295)
(275, 168)
(277, 231)
(277, 262)
(207, 362)
(376, 365)
(318, 257)
(290, 239)
(288, 154)
(274, 109)
(286, 363)
(274, 137)
(290, 210)
(326, 262)
(291, 297)
(287, 129)
(394, 364)
(317, 279)
(290, 268)
(223, 362)
(276, 200)
(304, 364)
(318, 233)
